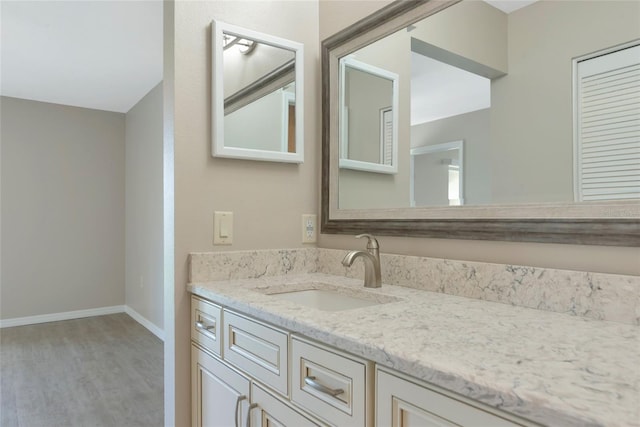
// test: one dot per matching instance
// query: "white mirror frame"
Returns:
(218, 28)
(345, 162)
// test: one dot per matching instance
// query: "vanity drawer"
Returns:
(399, 397)
(206, 324)
(259, 349)
(331, 385)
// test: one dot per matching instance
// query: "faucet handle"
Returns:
(372, 243)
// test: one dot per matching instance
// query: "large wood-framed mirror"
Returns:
(536, 167)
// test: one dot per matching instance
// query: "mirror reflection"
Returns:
(545, 108)
(368, 113)
(437, 174)
(259, 113)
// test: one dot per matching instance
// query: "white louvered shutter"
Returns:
(608, 126)
(387, 137)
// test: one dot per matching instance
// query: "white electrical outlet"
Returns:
(309, 226)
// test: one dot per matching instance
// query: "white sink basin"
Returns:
(327, 297)
(325, 300)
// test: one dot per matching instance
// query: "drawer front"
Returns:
(258, 349)
(330, 385)
(404, 403)
(206, 324)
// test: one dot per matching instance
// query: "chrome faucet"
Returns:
(371, 258)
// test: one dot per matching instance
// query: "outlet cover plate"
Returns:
(309, 228)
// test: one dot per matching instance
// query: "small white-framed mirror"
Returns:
(368, 117)
(257, 99)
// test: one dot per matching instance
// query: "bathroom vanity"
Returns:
(406, 357)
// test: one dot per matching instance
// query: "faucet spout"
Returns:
(372, 276)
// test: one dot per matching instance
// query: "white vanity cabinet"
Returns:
(224, 397)
(402, 401)
(334, 386)
(240, 371)
(206, 324)
(258, 349)
(219, 394)
(269, 411)
(255, 374)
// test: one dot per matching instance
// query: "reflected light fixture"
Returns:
(245, 46)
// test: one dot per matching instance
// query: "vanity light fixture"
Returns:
(244, 46)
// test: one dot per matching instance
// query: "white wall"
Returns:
(267, 198)
(471, 29)
(260, 125)
(62, 191)
(144, 198)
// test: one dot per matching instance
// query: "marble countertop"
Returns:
(550, 368)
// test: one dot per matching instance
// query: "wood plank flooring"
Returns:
(104, 371)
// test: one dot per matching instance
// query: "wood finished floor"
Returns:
(104, 371)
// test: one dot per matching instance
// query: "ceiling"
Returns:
(440, 90)
(508, 6)
(104, 55)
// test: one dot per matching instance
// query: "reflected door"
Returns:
(437, 175)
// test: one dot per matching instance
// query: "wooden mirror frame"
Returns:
(588, 223)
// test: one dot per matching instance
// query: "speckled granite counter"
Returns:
(551, 368)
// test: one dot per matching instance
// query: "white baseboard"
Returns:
(79, 314)
(55, 317)
(144, 322)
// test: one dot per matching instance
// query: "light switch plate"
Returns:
(309, 228)
(222, 228)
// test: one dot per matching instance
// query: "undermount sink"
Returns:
(327, 297)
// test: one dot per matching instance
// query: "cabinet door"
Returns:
(269, 411)
(403, 403)
(219, 394)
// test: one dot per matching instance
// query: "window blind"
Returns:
(608, 126)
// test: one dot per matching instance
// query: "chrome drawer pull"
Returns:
(252, 406)
(311, 382)
(238, 400)
(202, 326)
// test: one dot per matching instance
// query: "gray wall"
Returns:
(63, 196)
(531, 113)
(473, 128)
(144, 262)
